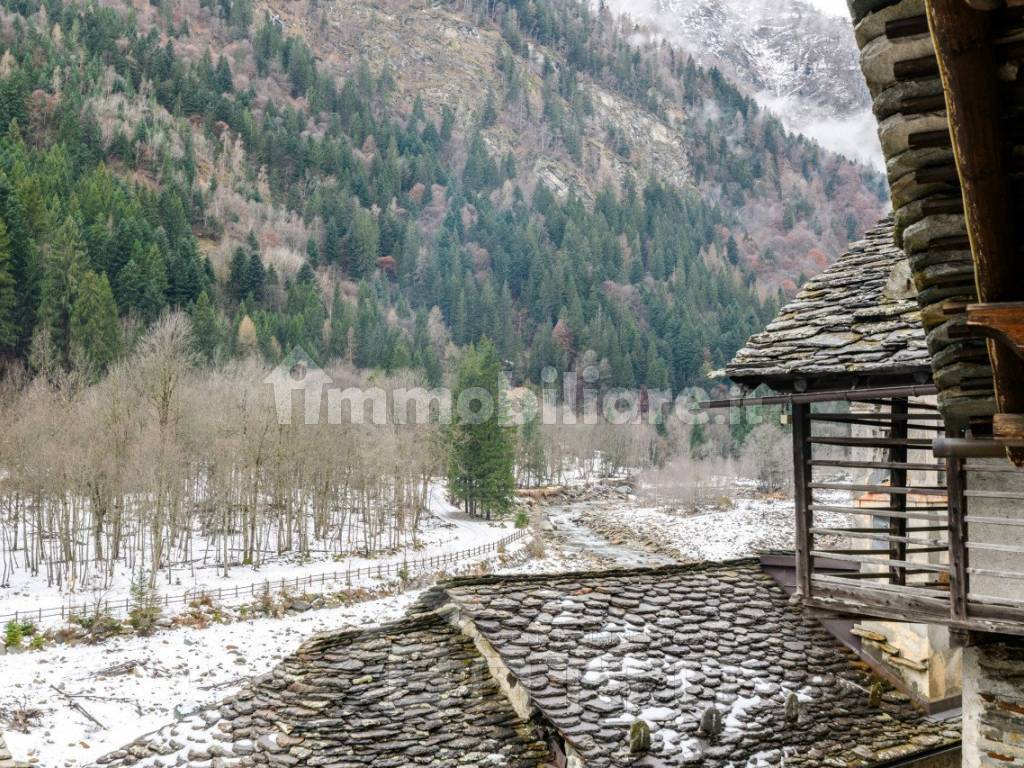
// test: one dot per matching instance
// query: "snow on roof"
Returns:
(860, 317)
(597, 651)
(411, 693)
(582, 657)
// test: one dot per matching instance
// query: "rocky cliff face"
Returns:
(796, 60)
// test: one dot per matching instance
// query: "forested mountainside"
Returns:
(381, 180)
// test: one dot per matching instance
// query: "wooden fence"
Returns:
(121, 608)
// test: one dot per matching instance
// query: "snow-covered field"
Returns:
(742, 525)
(180, 669)
(445, 530)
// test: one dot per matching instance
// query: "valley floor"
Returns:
(132, 685)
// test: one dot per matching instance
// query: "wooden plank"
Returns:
(924, 490)
(1006, 495)
(959, 580)
(858, 603)
(881, 420)
(849, 464)
(997, 573)
(916, 514)
(936, 567)
(890, 589)
(802, 495)
(872, 442)
(987, 547)
(854, 575)
(987, 520)
(962, 38)
(1011, 619)
(860, 533)
(989, 468)
(974, 597)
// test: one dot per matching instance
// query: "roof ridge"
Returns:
(410, 622)
(531, 578)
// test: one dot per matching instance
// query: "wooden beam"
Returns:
(1002, 322)
(959, 584)
(803, 496)
(1008, 426)
(963, 46)
(898, 479)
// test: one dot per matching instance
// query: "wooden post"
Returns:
(963, 46)
(958, 577)
(802, 495)
(899, 410)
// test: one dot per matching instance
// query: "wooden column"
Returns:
(963, 47)
(899, 411)
(802, 495)
(958, 578)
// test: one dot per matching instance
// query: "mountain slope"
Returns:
(611, 110)
(382, 180)
(795, 59)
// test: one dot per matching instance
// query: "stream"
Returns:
(573, 537)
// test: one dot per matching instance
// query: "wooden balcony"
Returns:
(929, 540)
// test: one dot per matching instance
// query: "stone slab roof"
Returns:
(595, 652)
(491, 671)
(412, 693)
(858, 318)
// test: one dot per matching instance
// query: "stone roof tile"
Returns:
(412, 693)
(860, 316)
(666, 645)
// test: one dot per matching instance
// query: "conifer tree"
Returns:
(63, 268)
(206, 330)
(9, 331)
(95, 330)
(481, 459)
(341, 322)
(365, 244)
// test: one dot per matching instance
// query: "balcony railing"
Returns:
(928, 540)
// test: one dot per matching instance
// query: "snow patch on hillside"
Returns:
(798, 58)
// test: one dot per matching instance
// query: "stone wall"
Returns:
(918, 655)
(993, 706)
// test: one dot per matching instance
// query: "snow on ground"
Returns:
(740, 526)
(445, 530)
(182, 670)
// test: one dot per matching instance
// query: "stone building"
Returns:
(707, 664)
(947, 80)
(850, 355)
